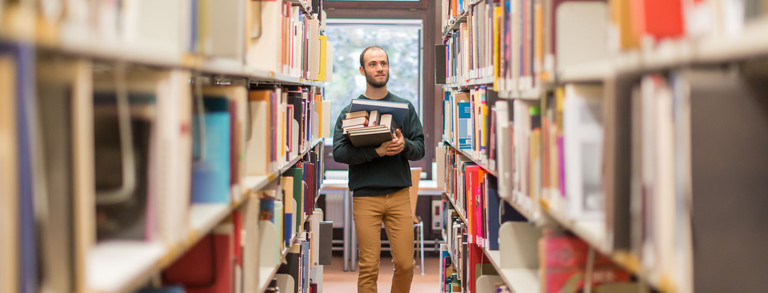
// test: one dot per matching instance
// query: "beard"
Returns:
(371, 79)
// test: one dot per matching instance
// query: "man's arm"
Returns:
(414, 136)
(345, 152)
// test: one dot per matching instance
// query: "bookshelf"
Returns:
(156, 58)
(473, 158)
(645, 87)
(141, 261)
(521, 280)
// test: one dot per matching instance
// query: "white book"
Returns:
(266, 41)
(583, 143)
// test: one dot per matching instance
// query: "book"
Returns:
(207, 266)
(388, 121)
(211, 168)
(583, 134)
(55, 133)
(356, 114)
(259, 144)
(350, 122)
(399, 111)
(9, 181)
(374, 118)
(563, 261)
(370, 136)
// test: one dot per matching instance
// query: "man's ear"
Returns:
(362, 71)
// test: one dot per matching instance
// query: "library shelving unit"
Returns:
(634, 131)
(137, 135)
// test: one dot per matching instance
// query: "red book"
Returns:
(476, 256)
(472, 184)
(309, 193)
(658, 18)
(564, 263)
(206, 267)
(479, 214)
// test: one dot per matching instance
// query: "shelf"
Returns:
(488, 80)
(455, 24)
(591, 231)
(267, 273)
(307, 7)
(752, 42)
(296, 159)
(592, 71)
(519, 279)
(532, 94)
(79, 44)
(119, 266)
(522, 203)
(122, 266)
(459, 210)
(472, 157)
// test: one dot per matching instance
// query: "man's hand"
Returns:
(382, 149)
(397, 144)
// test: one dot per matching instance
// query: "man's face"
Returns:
(376, 68)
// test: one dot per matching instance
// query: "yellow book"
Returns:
(538, 53)
(497, 14)
(323, 58)
(535, 163)
(621, 19)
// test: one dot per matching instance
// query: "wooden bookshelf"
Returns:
(519, 279)
(474, 158)
(126, 266)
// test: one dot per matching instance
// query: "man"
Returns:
(379, 178)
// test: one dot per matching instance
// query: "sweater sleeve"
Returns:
(414, 136)
(345, 152)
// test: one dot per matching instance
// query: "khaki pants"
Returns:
(395, 211)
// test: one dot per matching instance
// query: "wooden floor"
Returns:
(336, 280)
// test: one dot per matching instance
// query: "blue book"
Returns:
(492, 213)
(287, 226)
(464, 133)
(398, 110)
(25, 103)
(305, 256)
(210, 173)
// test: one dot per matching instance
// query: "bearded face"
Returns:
(376, 69)
(378, 78)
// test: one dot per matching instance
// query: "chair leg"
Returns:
(421, 242)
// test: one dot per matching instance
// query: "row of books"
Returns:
(120, 154)
(280, 29)
(276, 36)
(235, 254)
(563, 262)
(625, 156)
(470, 48)
(469, 122)
(670, 206)
(526, 42)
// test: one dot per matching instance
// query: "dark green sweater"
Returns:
(370, 174)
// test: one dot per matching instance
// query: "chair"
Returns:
(417, 223)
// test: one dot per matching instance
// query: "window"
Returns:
(402, 41)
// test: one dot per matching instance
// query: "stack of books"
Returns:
(374, 123)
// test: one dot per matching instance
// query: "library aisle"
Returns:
(177, 146)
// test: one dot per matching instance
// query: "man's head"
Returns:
(374, 64)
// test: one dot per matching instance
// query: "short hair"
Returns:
(362, 55)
